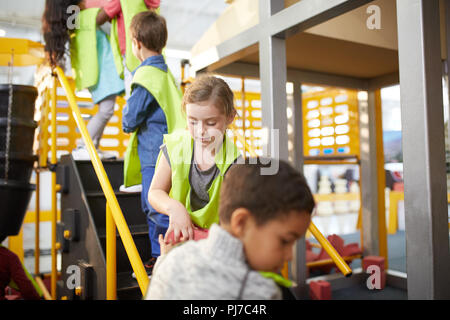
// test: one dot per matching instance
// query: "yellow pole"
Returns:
(122, 227)
(381, 177)
(43, 152)
(244, 118)
(54, 204)
(359, 221)
(334, 255)
(111, 276)
(41, 285)
(37, 224)
(326, 262)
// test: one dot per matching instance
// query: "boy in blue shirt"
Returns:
(148, 111)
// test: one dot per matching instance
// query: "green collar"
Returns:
(277, 278)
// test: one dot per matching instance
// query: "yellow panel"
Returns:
(323, 110)
(26, 52)
(253, 117)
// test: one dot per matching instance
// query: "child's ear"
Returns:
(231, 117)
(136, 43)
(239, 221)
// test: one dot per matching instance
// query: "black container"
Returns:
(20, 166)
(23, 101)
(21, 138)
(15, 193)
(14, 198)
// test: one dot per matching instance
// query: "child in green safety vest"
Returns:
(91, 58)
(265, 207)
(192, 163)
(153, 109)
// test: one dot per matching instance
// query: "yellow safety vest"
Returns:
(83, 50)
(164, 89)
(179, 147)
(129, 9)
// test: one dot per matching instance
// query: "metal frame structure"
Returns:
(428, 255)
(428, 258)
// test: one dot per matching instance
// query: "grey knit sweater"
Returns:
(213, 268)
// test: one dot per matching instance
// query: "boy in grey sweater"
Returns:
(261, 217)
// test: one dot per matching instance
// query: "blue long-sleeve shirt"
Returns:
(143, 113)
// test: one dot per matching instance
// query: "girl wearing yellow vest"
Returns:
(91, 56)
(192, 163)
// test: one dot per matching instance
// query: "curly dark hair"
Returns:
(267, 197)
(55, 30)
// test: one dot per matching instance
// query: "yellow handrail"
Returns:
(335, 256)
(37, 223)
(42, 286)
(111, 265)
(53, 162)
(116, 212)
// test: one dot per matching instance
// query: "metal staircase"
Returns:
(82, 231)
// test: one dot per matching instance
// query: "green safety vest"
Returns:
(277, 278)
(129, 9)
(179, 147)
(83, 50)
(164, 89)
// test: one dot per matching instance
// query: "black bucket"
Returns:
(14, 198)
(16, 191)
(20, 166)
(23, 101)
(21, 137)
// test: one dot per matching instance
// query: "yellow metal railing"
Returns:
(53, 163)
(114, 215)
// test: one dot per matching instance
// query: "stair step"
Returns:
(113, 169)
(129, 203)
(141, 240)
(135, 230)
(118, 194)
(128, 287)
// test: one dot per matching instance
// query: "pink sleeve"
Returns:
(112, 8)
(93, 3)
(153, 4)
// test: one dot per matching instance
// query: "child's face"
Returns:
(206, 123)
(269, 246)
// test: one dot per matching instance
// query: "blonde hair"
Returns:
(210, 88)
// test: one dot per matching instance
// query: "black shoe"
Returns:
(148, 265)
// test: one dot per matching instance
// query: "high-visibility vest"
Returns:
(129, 9)
(163, 88)
(83, 50)
(180, 147)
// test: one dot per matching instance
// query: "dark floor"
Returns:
(360, 292)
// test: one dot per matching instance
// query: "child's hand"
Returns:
(164, 247)
(180, 223)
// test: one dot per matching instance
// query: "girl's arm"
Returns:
(102, 17)
(158, 196)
